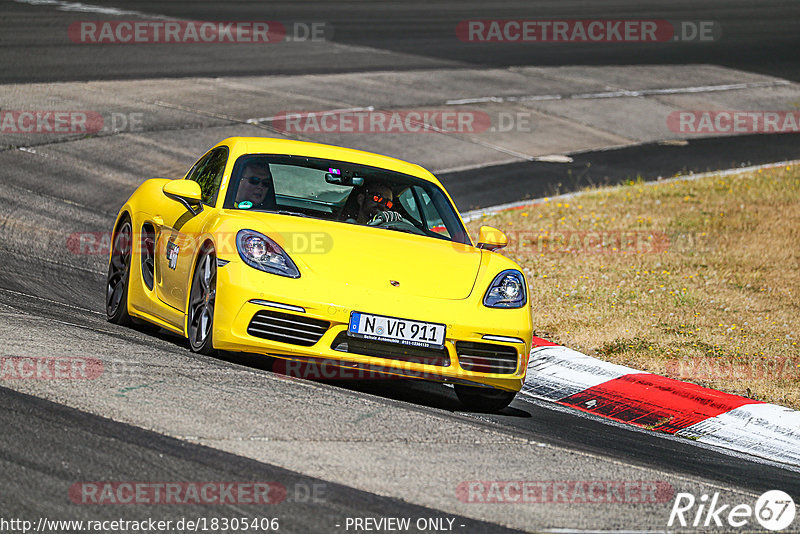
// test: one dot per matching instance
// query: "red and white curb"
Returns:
(654, 402)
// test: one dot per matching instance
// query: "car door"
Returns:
(181, 231)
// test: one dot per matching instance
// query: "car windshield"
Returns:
(344, 192)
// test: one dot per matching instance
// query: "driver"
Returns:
(375, 202)
(254, 186)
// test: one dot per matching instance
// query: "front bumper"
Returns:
(467, 321)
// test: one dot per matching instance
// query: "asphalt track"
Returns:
(121, 452)
(162, 414)
(537, 179)
(760, 37)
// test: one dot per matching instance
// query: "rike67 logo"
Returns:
(774, 510)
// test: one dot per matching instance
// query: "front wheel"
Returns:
(483, 399)
(202, 297)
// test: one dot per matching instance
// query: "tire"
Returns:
(118, 277)
(202, 298)
(486, 400)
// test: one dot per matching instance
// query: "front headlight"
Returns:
(261, 252)
(507, 290)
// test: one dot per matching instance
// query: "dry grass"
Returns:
(698, 280)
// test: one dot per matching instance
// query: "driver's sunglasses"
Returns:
(255, 180)
(382, 201)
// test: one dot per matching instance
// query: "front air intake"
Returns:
(287, 328)
(486, 357)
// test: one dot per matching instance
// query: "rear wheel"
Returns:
(484, 399)
(119, 269)
(202, 298)
(148, 248)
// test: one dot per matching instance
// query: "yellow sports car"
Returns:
(320, 254)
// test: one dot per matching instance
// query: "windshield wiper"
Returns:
(294, 213)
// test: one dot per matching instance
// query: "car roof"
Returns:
(266, 145)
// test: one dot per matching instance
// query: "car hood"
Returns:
(374, 260)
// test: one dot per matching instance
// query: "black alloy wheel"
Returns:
(202, 298)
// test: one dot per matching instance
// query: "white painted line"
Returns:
(610, 94)
(491, 210)
(712, 88)
(765, 430)
(550, 158)
(555, 158)
(500, 99)
(555, 373)
(535, 98)
(501, 149)
(472, 166)
(27, 295)
(479, 100)
(620, 93)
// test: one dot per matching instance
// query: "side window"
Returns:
(432, 217)
(208, 173)
(420, 207)
(409, 203)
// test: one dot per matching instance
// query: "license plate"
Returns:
(394, 330)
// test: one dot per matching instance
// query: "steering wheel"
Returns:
(394, 221)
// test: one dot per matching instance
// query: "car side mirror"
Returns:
(491, 238)
(187, 192)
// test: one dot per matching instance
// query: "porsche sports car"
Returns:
(314, 253)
